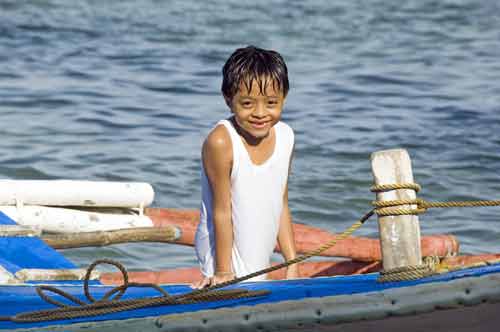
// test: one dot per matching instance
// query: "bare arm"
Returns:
(286, 239)
(285, 235)
(217, 161)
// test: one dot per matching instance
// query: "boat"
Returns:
(40, 290)
(348, 300)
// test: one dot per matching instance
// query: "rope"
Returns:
(392, 208)
(412, 272)
(387, 208)
(394, 186)
(298, 259)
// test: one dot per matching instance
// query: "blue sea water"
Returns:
(127, 91)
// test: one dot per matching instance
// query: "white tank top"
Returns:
(256, 204)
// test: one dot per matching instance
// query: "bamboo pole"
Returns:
(168, 234)
(399, 235)
(54, 274)
(18, 230)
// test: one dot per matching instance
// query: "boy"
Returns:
(246, 162)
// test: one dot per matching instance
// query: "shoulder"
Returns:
(218, 144)
(218, 138)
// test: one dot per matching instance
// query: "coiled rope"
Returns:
(108, 304)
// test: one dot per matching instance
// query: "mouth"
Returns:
(259, 124)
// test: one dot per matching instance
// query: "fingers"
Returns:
(211, 281)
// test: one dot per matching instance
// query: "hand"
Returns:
(292, 272)
(218, 278)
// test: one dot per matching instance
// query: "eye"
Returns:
(272, 102)
(246, 103)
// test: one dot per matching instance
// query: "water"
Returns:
(127, 90)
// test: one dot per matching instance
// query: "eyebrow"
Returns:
(252, 98)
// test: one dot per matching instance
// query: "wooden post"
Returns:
(399, 235)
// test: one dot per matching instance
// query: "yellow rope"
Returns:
(387, 208)
(394, 186)
(299, 259)
(430, 267)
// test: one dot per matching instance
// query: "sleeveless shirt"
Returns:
(256, 205)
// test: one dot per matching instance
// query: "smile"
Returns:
(259, 125)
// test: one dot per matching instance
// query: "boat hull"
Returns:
(482, 317)
(292, 304)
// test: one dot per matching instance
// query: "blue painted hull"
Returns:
(23, 298)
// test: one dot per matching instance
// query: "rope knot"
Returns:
(428, 268)
(394, 186)
(393, 207)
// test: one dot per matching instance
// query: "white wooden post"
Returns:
(399, 235)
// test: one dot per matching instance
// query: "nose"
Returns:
(259, 110)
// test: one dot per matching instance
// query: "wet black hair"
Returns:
(252, 63)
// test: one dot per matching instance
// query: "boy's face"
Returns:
(255, 112)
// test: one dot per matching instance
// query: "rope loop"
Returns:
(120, 290)
(428, 268)
(40, 290)
(395, 186)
